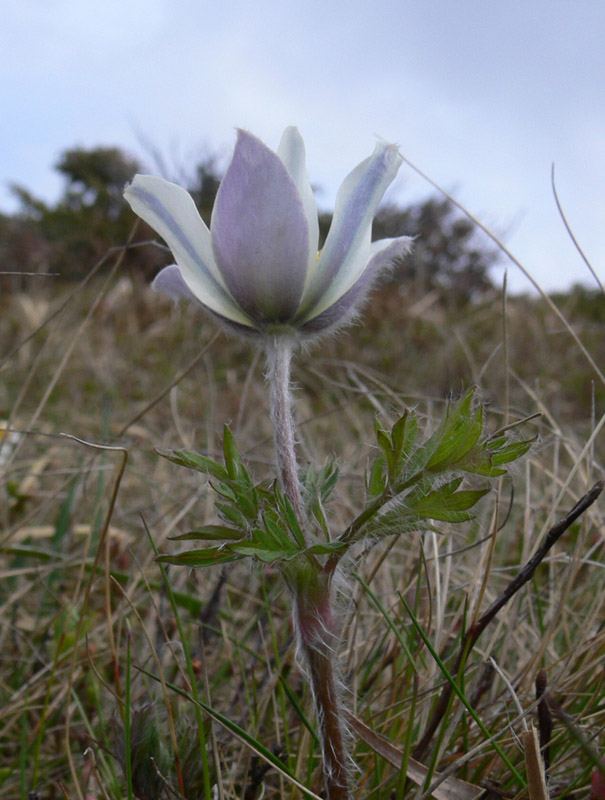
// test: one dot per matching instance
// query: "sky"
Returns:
(482, 96)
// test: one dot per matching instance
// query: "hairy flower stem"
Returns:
(279, 356)
(330, 716)
(310, 586)
(317, 640)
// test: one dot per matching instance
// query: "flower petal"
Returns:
(347, 249)
(171, 212)
(385, 253)
(169, 281)
(291, 150)
(260, 233)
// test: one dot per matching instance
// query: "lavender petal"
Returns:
(260, 233)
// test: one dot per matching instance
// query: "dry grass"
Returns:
(91, 644)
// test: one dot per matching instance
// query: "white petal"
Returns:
(386, 252)
(347, 249)
(291, 150)
(170, 211)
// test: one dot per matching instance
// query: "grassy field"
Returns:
(120, 680)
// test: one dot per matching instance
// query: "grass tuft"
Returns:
(120, 676)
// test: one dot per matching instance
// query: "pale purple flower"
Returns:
(258, 268)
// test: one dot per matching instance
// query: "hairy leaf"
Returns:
(196, 461)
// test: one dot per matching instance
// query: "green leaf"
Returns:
(267, 556)
(196, 461)
(318, 488)
(208, 557)
(209, 533)
(328, 479)
(487, 459)
(480, 462)
(233, 515)
(384, 440)
(404, 435)
(267, 545)
(512, 451)
(327, 548)
(283, 510)
(386, 445)
(292, 521)
(225, 490)
(276, 533)
(398, 431)
(231, 453)
(409, 502)
(457, 435)
(246, 500)
(376, 481)
(496, 444)
(446, 504)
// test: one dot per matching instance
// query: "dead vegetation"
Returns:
(119, 682)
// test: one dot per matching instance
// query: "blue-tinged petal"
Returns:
(291, 150)
(342, 311)
(385, 253)
(347, 249)
(260, 234)
(169, 281)
(171, 212)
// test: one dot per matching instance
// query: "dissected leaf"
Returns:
(446, 503)
(458, 434)
(408, 485)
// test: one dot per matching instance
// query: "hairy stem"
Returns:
(279, 356)
(323, 682)
(309, 585)
(315, 624)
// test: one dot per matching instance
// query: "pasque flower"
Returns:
(258, 268)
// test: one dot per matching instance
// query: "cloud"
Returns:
(484, 96)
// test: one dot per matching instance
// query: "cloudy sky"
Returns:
(482, 95)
